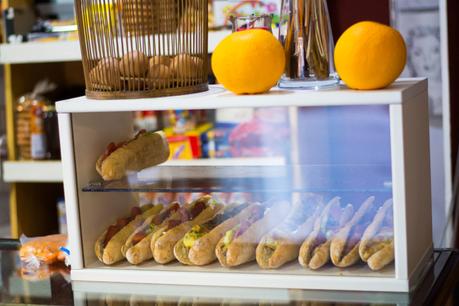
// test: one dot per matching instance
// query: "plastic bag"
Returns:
(42, 250)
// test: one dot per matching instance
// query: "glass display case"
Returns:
(289, 189)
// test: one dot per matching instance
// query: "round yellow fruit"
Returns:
(370, 55)
(248, 62)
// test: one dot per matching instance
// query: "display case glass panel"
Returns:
(291, 190)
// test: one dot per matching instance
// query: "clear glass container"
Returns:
(306, 35)
(291, 189)
(291, 180)
(242, 23)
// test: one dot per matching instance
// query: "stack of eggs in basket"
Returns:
(138, 70)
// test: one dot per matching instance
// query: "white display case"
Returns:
(339, 142)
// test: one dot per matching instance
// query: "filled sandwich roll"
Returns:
(163, 242)
(382, 257)
(146, 149)
(315, 249)
(238, 245)
(282, 244)
(198, 244)
(344, 248)
(108, 245)
(377, 244)
(137, 247)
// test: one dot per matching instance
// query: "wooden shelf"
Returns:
(64, 51)
(32, 171)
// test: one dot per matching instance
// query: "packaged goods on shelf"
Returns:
(260, 135)
(44, 250)
(146, 120)
(224, 9)
(188, 144)
(36, 124)
(61, 216)
(216, 141)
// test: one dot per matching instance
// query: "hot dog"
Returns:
(198, 244)
(146, 149)
(315, 250)
(108, 245)
(238, 245)
(344, 248)
(163, 241)
(377, 244)
(137, 247)
(283, 243)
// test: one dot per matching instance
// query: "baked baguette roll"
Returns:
(377, 244)
(383, 257)
(315, 250)
(137, 247)
(198, 244)
(163, 242)
(282, 244)
(344, 247)
(145, 150)
(108, 245)
(238, 245)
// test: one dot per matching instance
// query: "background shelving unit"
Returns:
(50, 171)
(32, 171)
(64, 51)
(37, 185)
(40, 52)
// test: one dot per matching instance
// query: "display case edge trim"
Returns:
(409, 128)
(218, 97)
(70, 190)
(219, 279)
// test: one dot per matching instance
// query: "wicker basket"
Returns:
(143, 48)
(142, 17)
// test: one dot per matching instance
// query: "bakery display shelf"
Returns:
(291, 275)
(272, 179)
(32, 171)
(217, 97)
(64, 51)
(382, 152)
(92, 290)
(292, 268)
(228, 161)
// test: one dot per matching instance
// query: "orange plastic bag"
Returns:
(45, 249)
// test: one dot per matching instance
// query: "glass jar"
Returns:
(306, 36)
(242, 23)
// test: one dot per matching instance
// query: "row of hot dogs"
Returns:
(273, 233)
(138, 300)
(158, 300)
